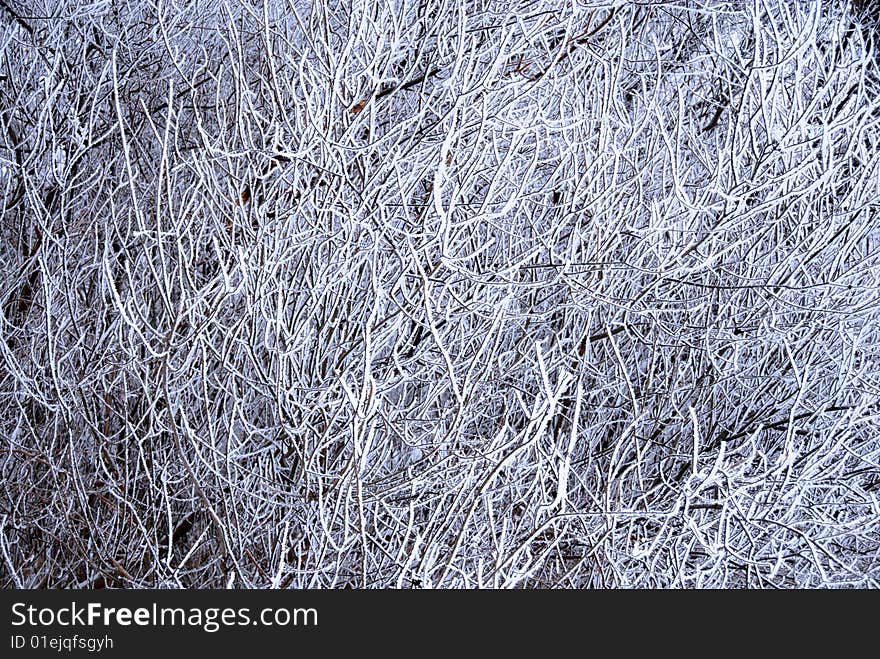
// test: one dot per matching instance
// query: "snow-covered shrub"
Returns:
(425, 294)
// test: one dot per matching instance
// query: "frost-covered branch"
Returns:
(429, 294)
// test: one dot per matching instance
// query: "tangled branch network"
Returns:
(419, 293)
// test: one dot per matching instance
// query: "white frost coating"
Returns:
(428, 294)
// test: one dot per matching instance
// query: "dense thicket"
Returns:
(427, 293)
